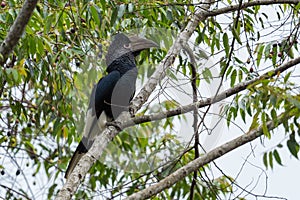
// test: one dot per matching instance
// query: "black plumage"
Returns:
(113, 92)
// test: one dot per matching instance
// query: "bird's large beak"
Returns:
(138, 44)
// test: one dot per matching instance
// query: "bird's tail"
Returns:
(80, 151)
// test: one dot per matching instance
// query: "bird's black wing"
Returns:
(95, 116)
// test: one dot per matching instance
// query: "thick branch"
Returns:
(206, 158)
(87, 161)
(16, 30)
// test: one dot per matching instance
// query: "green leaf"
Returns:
(130, 7)
(287, 76)
(95, 14)
(291, 53)
(236, 36)
(265, 160)
(274, 57)
(202, 54)
(264, 125)
(217, 37)
(213, 43)
(279, 145)
(28, 145)
(226, 43)
(254, 123)
(40, 45)
(114, 16)
(274, 116)
(240, 75)
(207, 75)
(277, 157)
(248, 108)
(48, 23)
(267, 50)
(294, 101)
(121, 10)
(259, 53)
(293, 147)
(273, 100)
(233, 77)
(271, 159)
(51, 191)
(13, 74)
(228, 71)
(261, 22)
(297, 7)
(47, 45)
(170, 15)
(229, 116)
(242, 113)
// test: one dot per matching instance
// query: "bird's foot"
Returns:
(131, 112)
(115, 124)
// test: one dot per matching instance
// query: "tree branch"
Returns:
(16, 30)
(85, 163)
(15, 34)
(193, 65)
(15, 191)
(233, 8)
(208, 157)
(214, 99)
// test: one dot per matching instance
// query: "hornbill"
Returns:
(113, 93)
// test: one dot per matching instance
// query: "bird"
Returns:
(113, 92)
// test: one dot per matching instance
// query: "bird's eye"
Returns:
(127, 46)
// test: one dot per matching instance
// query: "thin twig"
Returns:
(210, 156)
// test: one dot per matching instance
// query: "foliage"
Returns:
(46, 83)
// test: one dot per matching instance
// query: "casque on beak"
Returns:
(138, 44)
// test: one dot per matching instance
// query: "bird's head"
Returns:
(122, 45)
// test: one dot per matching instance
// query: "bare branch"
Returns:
(15, 191)
(208, 157)
(193, 63)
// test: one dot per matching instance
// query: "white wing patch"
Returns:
(93, 126)
(89, 119)
(102, 121)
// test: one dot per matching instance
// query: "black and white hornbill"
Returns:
(113, 92)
